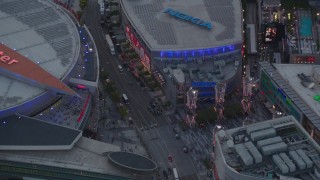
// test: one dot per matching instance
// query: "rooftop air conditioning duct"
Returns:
(308, 84)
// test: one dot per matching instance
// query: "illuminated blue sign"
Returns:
(199, 52)
(205, 94)
(282, 93)
(188, 18)
(203, 84)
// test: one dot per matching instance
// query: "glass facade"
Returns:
(277, 96)
(16, 169)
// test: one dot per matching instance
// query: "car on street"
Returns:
(174, 130)
(153, 126)
(170, 158)
(165, 174)
(120, 68)
(169, 170)
(185, 149)
(130, 120)
(125, 65)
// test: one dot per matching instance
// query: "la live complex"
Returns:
(190, 39)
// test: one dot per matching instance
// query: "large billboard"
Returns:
(140, 50)
(273, 33)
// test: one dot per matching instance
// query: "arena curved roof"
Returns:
(182, 26)
(132, 161)
(42, 32)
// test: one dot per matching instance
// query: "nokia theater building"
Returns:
(197, 42)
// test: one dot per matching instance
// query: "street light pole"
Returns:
(214, 131)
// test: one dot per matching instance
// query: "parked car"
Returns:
(185, 149)
(170, 158)
(165, 174)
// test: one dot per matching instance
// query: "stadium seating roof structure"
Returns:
(24, 133)
(161, 31)
(42, 32)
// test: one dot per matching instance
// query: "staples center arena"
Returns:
(197, 43)
(41, 70)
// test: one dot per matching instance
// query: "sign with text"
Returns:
(19, 67)
(203, 84)
(7, 59)
(188, 18)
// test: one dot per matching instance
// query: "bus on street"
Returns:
(110, 44)
(175, 174)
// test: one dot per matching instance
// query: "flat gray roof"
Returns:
(22, 133)
(271, 2)
(286, 76)
(42, 32)
(132, 161)
(161, 31)
(87, 154)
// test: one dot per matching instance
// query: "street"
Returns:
(159, 142)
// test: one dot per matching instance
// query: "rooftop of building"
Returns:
(132, 161)
(24, 133)
(163, 31)
(269, 149)
(303, 40)
(87, 155)
(216, 69)
(42, 32)
(271, 3)
(300, 82)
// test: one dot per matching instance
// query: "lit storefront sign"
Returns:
(188, 18)
(206, 94)
(141, 51)
(203, 84)
(205, 88)
(7, 59)
(304, 59)
(209, 52)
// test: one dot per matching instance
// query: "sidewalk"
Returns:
(73, 4)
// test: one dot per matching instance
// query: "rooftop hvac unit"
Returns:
(308, 84)
(230, 144)
(244, 154)
(274, 148)
(254, 152)
(268, 141)
(263, 134)
(257, 127)
(288, 162)
(305, 158)
(297, 160)
(280, 164)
